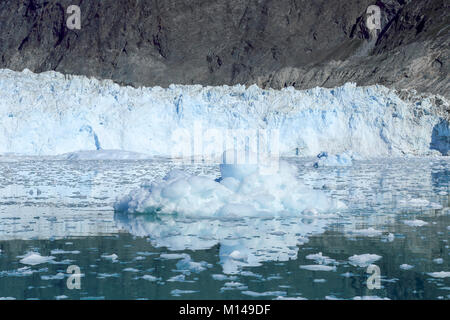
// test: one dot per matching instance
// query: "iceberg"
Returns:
(182, 211)
(52, 114)
(233, 196)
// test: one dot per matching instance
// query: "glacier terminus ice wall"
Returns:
(52, 114)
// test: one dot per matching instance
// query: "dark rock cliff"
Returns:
(273, 43)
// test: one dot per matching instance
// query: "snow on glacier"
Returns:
(52, 114)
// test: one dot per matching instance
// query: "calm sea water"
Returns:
(397, 211)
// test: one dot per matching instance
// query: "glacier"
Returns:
(51, 114)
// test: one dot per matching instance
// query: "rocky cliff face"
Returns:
(273, 43)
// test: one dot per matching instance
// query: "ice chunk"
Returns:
(58, 276)
(318, 267)
(150, 278)
(264, 294)
(113, 257)
(406, 266)
(187, 266)
(441, 274)
(363, 260)
(35, 258)
(175, 256)
(178, 292)
(415, 223)
(369, 232)
(60, 251)
(337, 160)
(320, 259)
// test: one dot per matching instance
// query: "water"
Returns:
(63, 209)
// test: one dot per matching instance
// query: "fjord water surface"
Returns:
(397, 218)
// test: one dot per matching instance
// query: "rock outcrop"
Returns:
(273, 43)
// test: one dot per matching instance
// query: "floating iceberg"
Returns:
(52, 114)
(275, 213)
(35, 258)
(238, 193)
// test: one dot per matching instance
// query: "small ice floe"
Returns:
(406, 266)
(438, 261)
(61, 297)
(178, 278)
(369, 232)
(415, 223)
(58, 276)
(369, 298)
(35, 258)
(93, 298)
(223, 277)
(233, 286)
(390, 237)
(146, 253)
(7, 298)
(264, 294)
(60, 251)
(331, 297)
(139, 258)
(237, 255)
(150, 278)
(419, 203)
(178, 292)
(113, 257)
(363, 260)
(320, 259)
(335, 160)
(413, 202)
(65, 261)
(174, 256)
(318, 267)
(347, 275)
(22, 272)
(107, 275)
(186, 265)
(130, 270)
(440, 274)
(289, 298)
(319, 280)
